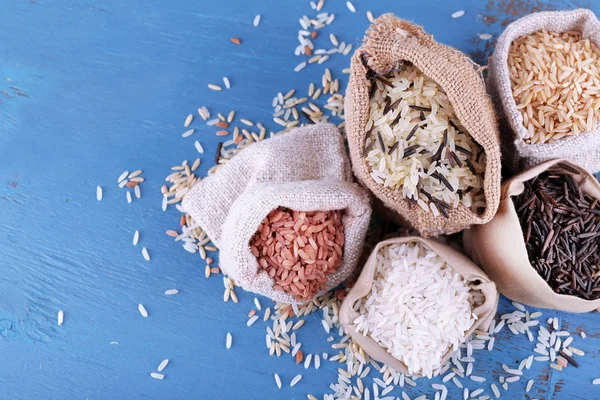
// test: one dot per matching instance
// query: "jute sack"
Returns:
(388, 41)
(499, 247)
(461, 264)
(305, 170)
(583, 148)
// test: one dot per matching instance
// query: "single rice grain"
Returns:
(142, 310)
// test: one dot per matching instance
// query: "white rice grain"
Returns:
(162, 365)
(555, 366)
(187, 133)
(123, 176)
(226, 82)
(370, 16)
(307, 361)
(188, 120)
(350, 6)
(256, 20)
(458, 14)
(171, 292)
(135, 174)
(145, 254)
(204, 113)
(142, 310)
(495, 390)
(98, 193)
(61, 317)
(228, 341)
(212, 86)
(277, 381)
(156, 375)
(295, 380)
(300, 66)
(136, 238)
(529, 386)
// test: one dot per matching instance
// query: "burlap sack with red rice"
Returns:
(305, 170)
(499, 247)
(583, 148)
(472, 273)
(388, 41)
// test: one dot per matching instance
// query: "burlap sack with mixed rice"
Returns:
(387, 43)
(470, 272)
(499, 247)
(304, 170)
(582, 148)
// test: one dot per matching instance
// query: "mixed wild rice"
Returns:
(416, 144)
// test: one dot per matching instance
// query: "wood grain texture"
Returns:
(90, 89)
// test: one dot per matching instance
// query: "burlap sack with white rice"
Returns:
(583, 148)
(362, 288)
(305, 170)
(499, 247)
(388, 41)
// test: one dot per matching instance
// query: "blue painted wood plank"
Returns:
(90, 89)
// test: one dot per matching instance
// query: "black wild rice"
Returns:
(412, 132)
(419, 108)
(561, 227)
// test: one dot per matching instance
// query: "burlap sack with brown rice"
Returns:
(583, 148)
(485, 312)
(305, 170)
(388, 41)
(499, 247)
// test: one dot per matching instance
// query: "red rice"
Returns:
(299, 249)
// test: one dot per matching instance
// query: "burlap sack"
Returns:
(499, 248)
(461, 264)
(305, 170)
(584, 148)
(388, 41)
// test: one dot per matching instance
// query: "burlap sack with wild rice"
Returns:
(305, 170)
(472, 273)
(388, 41)
(499, 247)
(583, 148)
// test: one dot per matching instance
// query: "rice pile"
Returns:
(561, 228)
(416, 144)
(299, 250)
(418, 309)
(555, 78)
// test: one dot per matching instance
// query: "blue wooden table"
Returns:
(89, 89)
